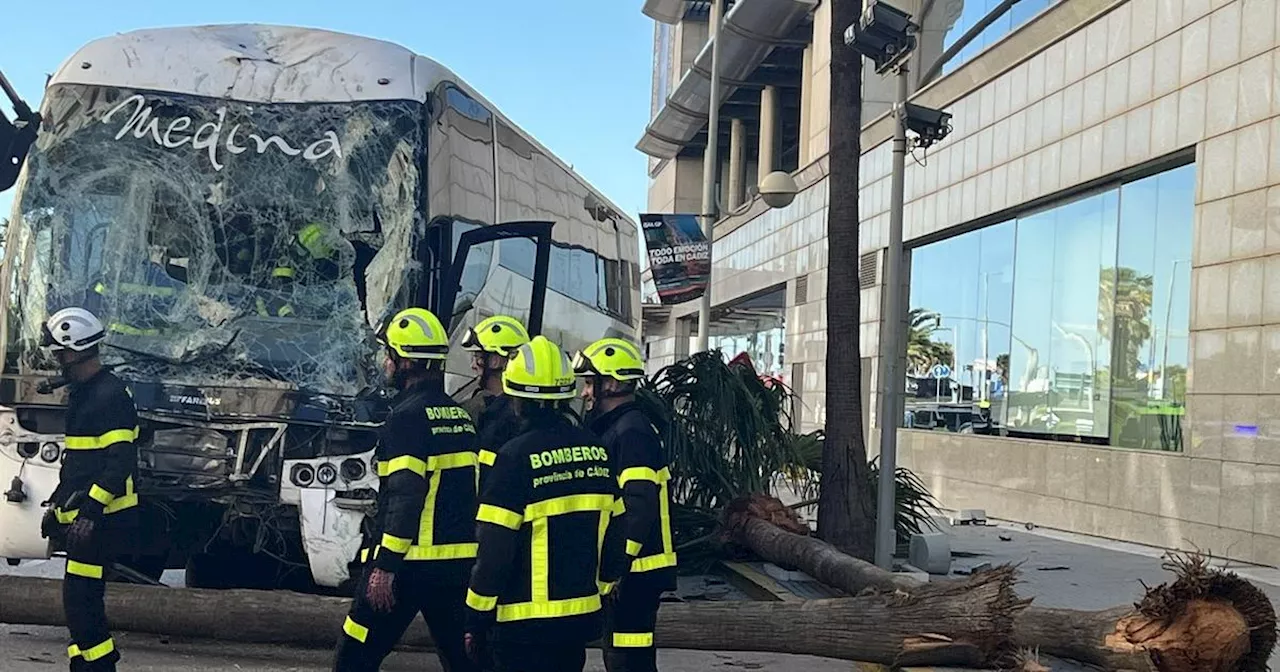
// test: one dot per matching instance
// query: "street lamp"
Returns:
(885, 35)
(777, 189)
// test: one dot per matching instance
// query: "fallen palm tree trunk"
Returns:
(1206, 620)
(964, 624)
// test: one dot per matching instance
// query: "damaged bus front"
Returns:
(240, 254)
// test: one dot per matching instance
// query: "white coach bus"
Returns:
(243, 204)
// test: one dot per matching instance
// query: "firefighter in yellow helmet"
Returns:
(425, 529)
(611, 368)
(535, 596)
(492, 342)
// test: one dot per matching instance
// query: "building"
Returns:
(1094, 251)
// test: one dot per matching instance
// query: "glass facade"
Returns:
(1070, 322)
(961, 15)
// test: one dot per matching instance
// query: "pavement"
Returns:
(1058, 569)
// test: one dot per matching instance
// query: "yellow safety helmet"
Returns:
(499, 334)
(313, 239)
(539, 370)
(612, 357)
(416, 333)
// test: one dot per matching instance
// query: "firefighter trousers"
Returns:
(629, 622)
(370, 635)
(543, 657)
(83, 593)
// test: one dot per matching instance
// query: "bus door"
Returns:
(476, 285)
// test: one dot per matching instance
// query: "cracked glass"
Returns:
(220, 242)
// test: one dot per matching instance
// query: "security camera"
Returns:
(778, 189)
(885, 35)
(929, 124)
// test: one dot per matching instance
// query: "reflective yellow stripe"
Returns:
(606, 588)
(568, 504)
(104, 441)
(452, 461)
(402, 463)
(638, 474)
(66, 517)
(122, 503)
(489, 513)
(396, 544)
(633, 548)
(148, 290)
(355, 630)
(488, 457)
(131, 330)
(553, 609)
(98, 652)
(443, 552)
(638, 640)
(664, 520)
(480, 602)
(540, 561)
(84, 569)
(100, 495)
(364, 555)
(427, 523)
(619, 507)
(653, 562)
(282, 272)
(73, 651)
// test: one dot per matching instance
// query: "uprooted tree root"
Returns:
(1207, 620)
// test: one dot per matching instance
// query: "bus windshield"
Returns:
(219, 241)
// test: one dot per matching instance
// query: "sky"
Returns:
(575, 74)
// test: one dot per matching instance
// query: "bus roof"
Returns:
(259, 63)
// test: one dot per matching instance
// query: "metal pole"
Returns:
(710, 161)
(890, 338)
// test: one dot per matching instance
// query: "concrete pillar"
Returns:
(806, 96)
(737, 162)
(768, 129)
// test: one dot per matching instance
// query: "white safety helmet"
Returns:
(73, 329)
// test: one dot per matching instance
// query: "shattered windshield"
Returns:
(219, 240)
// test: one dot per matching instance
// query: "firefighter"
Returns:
(315, 255)
(274, 301)
(535, 596)
(611, 368)
(491, 343)
(426, 507)
(94, 507)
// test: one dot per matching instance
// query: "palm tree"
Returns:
(922, 351)
(846, 513)
(1124, 317)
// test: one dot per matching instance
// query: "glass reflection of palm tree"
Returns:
(922, 351)
(1124, 317)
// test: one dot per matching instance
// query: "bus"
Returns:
(243, 205)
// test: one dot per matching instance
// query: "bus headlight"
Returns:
(50, 452)
(353, 469)
(302, 475)
(326, 473)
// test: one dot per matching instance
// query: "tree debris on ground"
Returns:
(1207, 619)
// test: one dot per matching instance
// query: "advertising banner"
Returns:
(678, 255)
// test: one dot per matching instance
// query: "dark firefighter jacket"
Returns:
(542, 521)
(101, 460)
(642, 474)
(496, 425)
(427, 489)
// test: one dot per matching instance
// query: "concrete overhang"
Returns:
(751, 30)
(664, 11)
